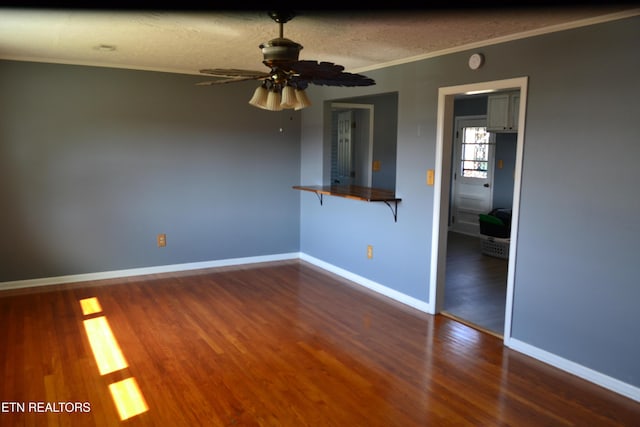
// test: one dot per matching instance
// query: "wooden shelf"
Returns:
(366, 194)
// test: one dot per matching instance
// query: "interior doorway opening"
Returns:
(443, 190)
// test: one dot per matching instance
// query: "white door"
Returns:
(345, 171)
(362, 142)
(352, 146)
(472, 175)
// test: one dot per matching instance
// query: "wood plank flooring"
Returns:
(476, 284)
(278, 344)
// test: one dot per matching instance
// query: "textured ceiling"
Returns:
(187, 41)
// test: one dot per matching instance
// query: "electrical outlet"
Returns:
(369, 251)
(162, 240)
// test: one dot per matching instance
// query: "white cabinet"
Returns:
(502, 112)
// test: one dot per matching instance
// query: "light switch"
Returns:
(430, 177)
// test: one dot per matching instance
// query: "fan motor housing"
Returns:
(280, 50)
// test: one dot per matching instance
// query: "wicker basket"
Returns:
(495, 247)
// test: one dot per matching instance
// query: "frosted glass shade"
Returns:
(274, 100)
(259, 98)
(289, 99)
(303, 101)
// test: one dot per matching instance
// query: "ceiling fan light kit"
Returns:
(283, 87)
(274, 100)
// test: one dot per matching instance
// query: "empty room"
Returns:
(319, 218)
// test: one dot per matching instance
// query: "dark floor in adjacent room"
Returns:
(476, 284)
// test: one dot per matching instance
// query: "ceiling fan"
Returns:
(283, 86)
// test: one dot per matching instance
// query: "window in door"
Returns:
(474, 160)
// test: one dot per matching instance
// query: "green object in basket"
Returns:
(491, 219)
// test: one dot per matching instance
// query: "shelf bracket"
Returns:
(366, 194)
(394, 209)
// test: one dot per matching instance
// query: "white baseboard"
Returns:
(576, 369)
(583, 372)
(588, 374)
(115, 274)
(370, 284)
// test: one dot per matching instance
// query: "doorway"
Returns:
(475, 283)
(442, 190)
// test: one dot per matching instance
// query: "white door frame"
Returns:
(442, 185)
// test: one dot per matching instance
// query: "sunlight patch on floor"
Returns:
(90, 306)
(126, 394)
(105, 348)
(128, 398)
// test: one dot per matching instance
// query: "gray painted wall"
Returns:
(503, 178)
(95, 162)
(470, 105)
(576, 281)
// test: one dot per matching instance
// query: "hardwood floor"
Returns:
(278, 344)
(476, 284)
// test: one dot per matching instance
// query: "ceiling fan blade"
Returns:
(231, 75)
(327, 74)
(232, 80)
(231, 72)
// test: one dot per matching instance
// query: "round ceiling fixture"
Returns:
(476, 60)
